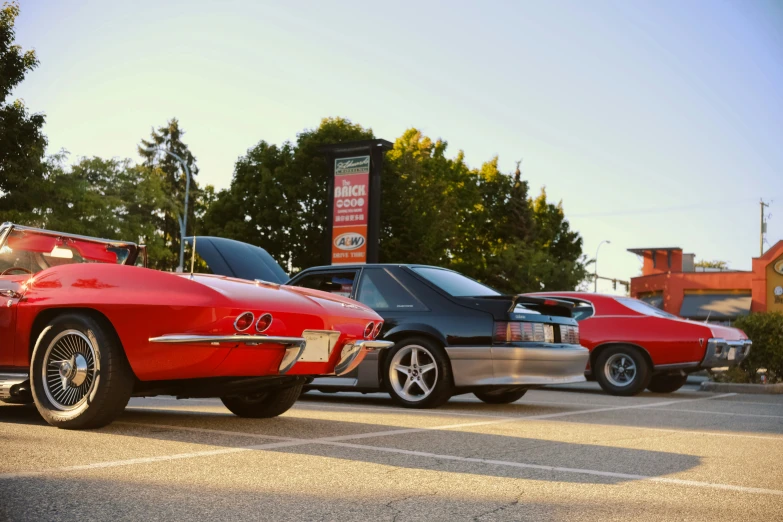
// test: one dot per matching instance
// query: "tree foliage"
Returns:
(766, 332)
(704, 263)
(160, 154)
(278, 196)
(435, 210)
(23, 173)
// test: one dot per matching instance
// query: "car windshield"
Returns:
(25, 251)
(643, 308)
(454, 283)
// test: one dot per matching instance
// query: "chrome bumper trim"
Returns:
(353, 354)
(721, 352)
(248, 339)
(8, 381)
(535, 364)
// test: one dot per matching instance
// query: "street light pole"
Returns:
(183, 219)
(595, 265)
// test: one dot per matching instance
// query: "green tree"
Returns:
(168, 138)
(112, 199)
(23, 169)
(720, 265)
(434, 210)
(278, 195)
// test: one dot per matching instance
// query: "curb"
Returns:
(728, 387)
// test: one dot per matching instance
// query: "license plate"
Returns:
(318, 345)
(732, 354)
(549, 333)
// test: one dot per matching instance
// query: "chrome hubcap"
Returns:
(413, 373)
(69, 370)
(620, 370)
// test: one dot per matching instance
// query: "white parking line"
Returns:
(286, 441)
(732, 414)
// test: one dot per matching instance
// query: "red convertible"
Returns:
(84, 326)
(634, 345)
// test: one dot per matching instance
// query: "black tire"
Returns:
(263, 405)
(505, 396)
(666, 383)
(626, 384)
(438, 379)
(108, 378)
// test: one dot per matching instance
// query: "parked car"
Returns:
(634, 345)
(84, 326)
(451, 334)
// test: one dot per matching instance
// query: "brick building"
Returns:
(671, 282)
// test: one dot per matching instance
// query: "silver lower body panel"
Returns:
(533, 365)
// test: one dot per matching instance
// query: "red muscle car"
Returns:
(634, 345)
(84, 326)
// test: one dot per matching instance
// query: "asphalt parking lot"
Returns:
(571, 453)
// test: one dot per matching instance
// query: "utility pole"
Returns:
(763, 227)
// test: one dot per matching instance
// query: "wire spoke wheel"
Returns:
(413, 373)
(69, 369)
(620, 370)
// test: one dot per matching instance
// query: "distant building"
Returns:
(670, 281)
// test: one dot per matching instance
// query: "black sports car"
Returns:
(452, 334)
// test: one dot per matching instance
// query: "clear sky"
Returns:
(658, 123)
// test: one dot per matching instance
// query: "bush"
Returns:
(766, 332)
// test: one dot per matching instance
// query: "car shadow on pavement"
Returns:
(699, 418)
(427, 448)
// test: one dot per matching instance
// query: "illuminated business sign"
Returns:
(350, 209)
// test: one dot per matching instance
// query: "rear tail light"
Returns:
(519, 331)
(377, 331)
(264, 322)
(368, 330)
(569, 334)
(244, 321)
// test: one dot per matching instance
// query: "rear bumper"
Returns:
(721, 352)
(528, 364)
(313, 346)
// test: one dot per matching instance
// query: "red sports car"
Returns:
(634, 345)
(84, 326)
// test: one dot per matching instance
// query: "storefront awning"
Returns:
(715, 306)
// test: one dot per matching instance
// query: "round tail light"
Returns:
(377, 331)
(244, 321)
(368, 330)
(264, 322)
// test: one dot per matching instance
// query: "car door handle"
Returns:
(10, 293)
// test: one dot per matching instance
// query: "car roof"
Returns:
(354, 266)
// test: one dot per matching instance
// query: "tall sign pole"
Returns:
(763, 228)
(354, 201)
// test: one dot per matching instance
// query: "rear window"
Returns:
(338, 283)
(380, 290)
(454, 283)
(643, 308)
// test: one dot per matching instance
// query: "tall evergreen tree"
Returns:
(169, 138)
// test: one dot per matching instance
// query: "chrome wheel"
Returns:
(413, 373)
(70, 367)
(620, 370)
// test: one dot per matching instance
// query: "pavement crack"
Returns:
(499, 509)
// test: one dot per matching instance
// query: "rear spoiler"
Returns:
(542, 305)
